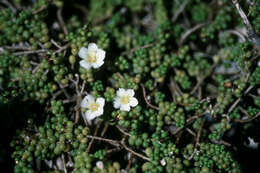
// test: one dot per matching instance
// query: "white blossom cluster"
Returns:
(124, 100)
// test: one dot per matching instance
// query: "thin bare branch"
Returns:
(197, 141)
(39, 9)
(188, 121)
(122, 131)
(179, 11)
(64, 164)
(104, 129)
(135, 153)
(190, 31)
(111, 141)
(30, 52)
(118, 144)
(62, 48)
(94, 137)
(249, 119)
(61, 21)
(55, 44)
(250, 32)
(147, 102)
(237, 33)
(190, 131)
(211, 70)
(233, 106)
(9, 5)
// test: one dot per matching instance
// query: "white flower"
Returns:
(91, 56)
(100, 165)
(163, 162)
(94, 107)
(125, 99)
(252, 144)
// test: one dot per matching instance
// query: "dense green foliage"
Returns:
(194, 72)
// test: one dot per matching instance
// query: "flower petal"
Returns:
(100, 165)
(98, 64)
(133, 102)
(125, 107)
(99, 112)
(85, 65)
(90, 98)
(89, 115)
(120, 92)
(83, 52)
(92, 47)
(101, 54)
(117, 102)
(130, 92)
(101, 102)
(84, 102)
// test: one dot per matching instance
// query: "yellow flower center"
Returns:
(93, 106)
(91, 58)
(125, 99)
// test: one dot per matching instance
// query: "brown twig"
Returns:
(55, 44)
(147, 102)
(62, 48)
(79, 96)
(237, 33)
(179, 11)
(188, 121)
(77, 112)
(94, 137)
(222, 142)
(129, 162)
(251, 4)
(59, 92)
(252, 37)
(30, 52)
(117, 144)
(73, 99)
(197, 141)
(190, 31)
(225, 143)
(203, 78)
(190, 131)
(16, 48)
(36, 67)
(104, 129)
(172, 89)
(82, 87)
(135, 153)
(114, 150)
(8, 4)
(64, 164)
(200, 93)
(175, 90)
(61, 21)
(243, 111)
(232, 107)
(39, 9)
(111, 141)
(254, 96)
(64, 91)
(248, 120)
(55, 95)
(199, 134)
(122, 131)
